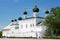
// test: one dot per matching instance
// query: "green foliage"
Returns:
(0, 33)
(52, 37)
(53, 20)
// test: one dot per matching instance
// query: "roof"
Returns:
(7, 27)
(33, 17)
(38, 23)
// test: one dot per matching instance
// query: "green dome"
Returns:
(47, 12)
(36, 9)
(19, 18)
(12, 20)
(25, 13)
(15, 20)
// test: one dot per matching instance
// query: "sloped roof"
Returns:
(33, 17)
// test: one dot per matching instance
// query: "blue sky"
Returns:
(12, 9)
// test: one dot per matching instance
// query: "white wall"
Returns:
(24, 31)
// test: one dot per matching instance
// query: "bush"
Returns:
(0, 33)
(52, 37)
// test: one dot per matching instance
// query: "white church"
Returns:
(27, 26)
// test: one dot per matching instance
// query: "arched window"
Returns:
(26, 26)
(21, 26)
(16, 27)
(33, 25)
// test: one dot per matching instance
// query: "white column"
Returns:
(35, 14)
(25, 16)
(46, 15)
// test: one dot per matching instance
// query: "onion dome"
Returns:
(47, 12)
(15, 20)
(12, 20)
(19, 18)
(35, 9)
(25, 13)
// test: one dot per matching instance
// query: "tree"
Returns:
(53, 21)
(0, 33)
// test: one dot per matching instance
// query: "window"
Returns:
(16, 27)
(21, 26)
(12, 32)
(31, 25)
(26, 26)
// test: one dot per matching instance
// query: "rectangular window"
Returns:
(21, 26)
(33, 25)
(30, 25)
(26, 25)
(16, 27)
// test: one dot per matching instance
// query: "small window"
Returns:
(26, 26)
(16, 27)
(33, 25)
(21, 26)
(12, 32)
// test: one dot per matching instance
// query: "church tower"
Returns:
(47, 13)
(35, 10)
(25, 14)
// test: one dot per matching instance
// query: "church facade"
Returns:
(26, 27)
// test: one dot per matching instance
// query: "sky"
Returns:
(12, 9)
